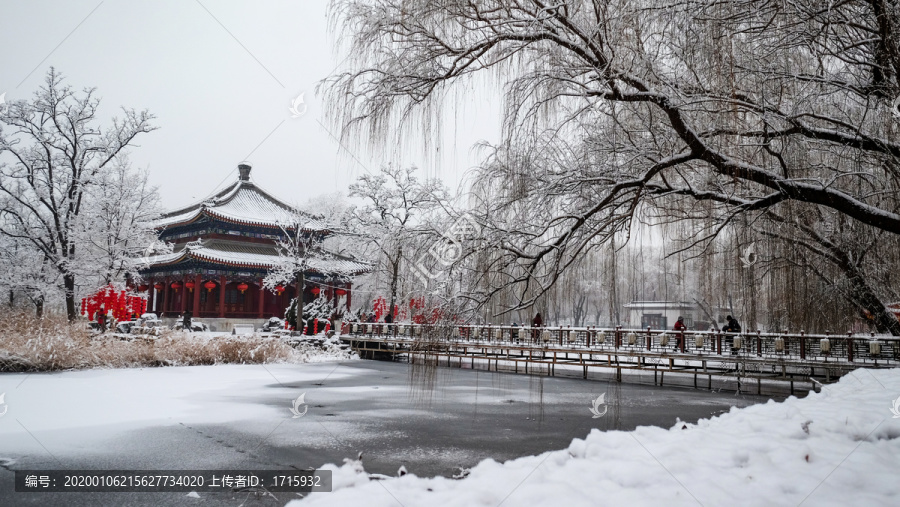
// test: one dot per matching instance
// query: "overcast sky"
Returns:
(220, 76)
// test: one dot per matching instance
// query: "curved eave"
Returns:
(225, 218)
(174, 260)
(214, 260)
(358, 269)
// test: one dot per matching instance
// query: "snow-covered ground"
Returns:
(837, 447)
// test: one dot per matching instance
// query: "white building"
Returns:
(663, 314)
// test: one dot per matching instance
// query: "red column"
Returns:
(183, 294)
(222, 296)
(348, 296)
(165, 297)
(261, 294)
(195, 307)
(151, 291)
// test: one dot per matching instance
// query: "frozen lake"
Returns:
(433, 421)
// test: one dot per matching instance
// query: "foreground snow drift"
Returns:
(837, 447)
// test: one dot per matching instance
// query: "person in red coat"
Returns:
(679, 326)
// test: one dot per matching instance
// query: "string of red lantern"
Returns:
(121, 304)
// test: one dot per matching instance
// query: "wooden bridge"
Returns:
(760, 363)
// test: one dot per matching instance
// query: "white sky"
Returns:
(220, 77)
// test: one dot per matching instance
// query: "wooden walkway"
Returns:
(759, 363)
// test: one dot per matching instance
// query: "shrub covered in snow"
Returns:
(49, 344)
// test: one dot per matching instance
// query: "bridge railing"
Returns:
(852, 347)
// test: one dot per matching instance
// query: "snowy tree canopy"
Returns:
(56, 166)
(779, 112)
(391, 221)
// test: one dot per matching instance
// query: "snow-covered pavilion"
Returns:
(224, 246)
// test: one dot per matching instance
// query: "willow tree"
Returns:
(719, 110)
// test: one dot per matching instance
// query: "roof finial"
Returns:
(244, 171)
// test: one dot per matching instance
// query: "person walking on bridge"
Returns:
(732, 326)
(681, 328)
(536, 322)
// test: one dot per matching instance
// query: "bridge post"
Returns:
(758, 344)
(719, 342)
(802, 345)
(649, 338)
(849, 346)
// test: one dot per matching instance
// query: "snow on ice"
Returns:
(837, 447)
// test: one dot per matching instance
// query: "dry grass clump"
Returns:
(51, 343)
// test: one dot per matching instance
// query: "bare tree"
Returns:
(26, 272)
(115, 226)
(613, 109)
(52, 153)
(396, 203)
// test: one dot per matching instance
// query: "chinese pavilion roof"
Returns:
(250, 255)
(244, 203)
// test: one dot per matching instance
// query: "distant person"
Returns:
(388, 319)
(537, 321)
(101, 320)
(681, 328)
(186, 321)
(732, 326)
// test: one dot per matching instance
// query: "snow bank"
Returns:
(837, 447)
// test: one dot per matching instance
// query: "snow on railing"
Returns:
(821, 347)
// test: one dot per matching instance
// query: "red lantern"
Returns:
(340, 292)
(279, 289)
(159, 286)
(189, 286)
(143, 288)
(242, 287)
(176, 286)
(209, 286)
(316, 291)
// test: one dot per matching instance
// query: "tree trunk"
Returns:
(613, 283)
(69, 286)
(578, 310)
(301, 282)
(395, 272)
(863, 295)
